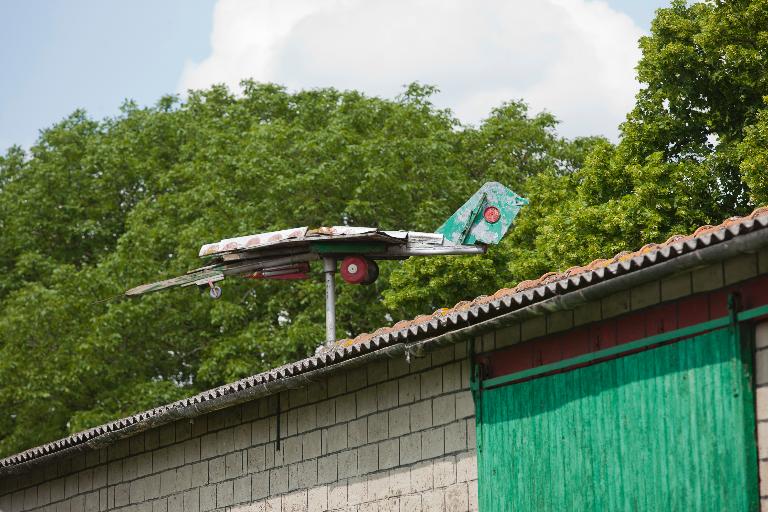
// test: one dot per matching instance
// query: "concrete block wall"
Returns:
(761, 408)
(387, 436)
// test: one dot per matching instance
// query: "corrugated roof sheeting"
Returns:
(426, 326)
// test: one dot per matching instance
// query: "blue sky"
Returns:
(57, 56)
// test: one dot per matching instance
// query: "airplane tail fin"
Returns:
(485, 217)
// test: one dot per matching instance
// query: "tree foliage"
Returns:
(96, 207)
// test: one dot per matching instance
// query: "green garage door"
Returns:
(671, 428)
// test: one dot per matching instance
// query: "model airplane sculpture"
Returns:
(484, 219)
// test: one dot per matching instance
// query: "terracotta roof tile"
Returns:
(551, 277)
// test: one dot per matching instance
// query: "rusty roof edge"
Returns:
(744, 237)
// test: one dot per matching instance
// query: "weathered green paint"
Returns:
(624, 347)
(467, 226)
(670, 428)
(348, 247)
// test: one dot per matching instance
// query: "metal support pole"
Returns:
(329, 267)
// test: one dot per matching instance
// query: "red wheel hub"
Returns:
(492, 214)
(354, 269)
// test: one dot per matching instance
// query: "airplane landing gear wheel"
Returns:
(359, 270)
(215, 291)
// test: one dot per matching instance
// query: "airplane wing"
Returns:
(200, 277)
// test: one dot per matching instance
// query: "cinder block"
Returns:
(234, 464)
(420, 362)
(306, 475)
(122, 494)
(378, 489)
(337, 384)
(358, 432)
(559, 321)
(471, 441)
(472, 492)
(761, 335)
(488, 341)
(241, 488)
(70, 485)
(30, 498)
(421, 415)
(444, 409)
(295, 502)
(327, 468)
(456, 436)
(135, 444)
(399, 421)
(357, 490)
(192, 500)
(432, 382)
(368, 458)
(645, 295)
(357, 378)
(389, 453)
(114, 475)
(199, 426)
(255, 459)
(175, 455)
(311, 444)
(708, 278)
(306, 418)
(77, 504)
(92, 501)
(366, 401)
(761, 404)
(433, 501)
(259, 432)
(278, 480)
(616, 304)
(326, 413)
(184, 478)
(761, 367)
(398, 367)
(242, 436)
(317, 498)
(345, 408)
(225, 494)
(291, 448)
(199, 474)
(377, 372)
(465, 405)
(191, 451)
(422, 477)
(466, 466)
(167, 434)
(317, 391)
(335, 438)
(452, 377)
(508, 336)
(410, 448)
(337, 495)
(347, 464)
(400, 481)
(217, 469)
(443, 355)
(676, 286)
(85, 480)
(411, 502)
(175, 503)
(297, 397)
(136, 491)
(225, 441)
(208, 446)
(457, 498)
(167, 482)
(260, 485)
(433, 443)
(533, 328)
(378, 427)
(740, 268)
(587, 313)
(43, 494)
(158, 505)
(151, 487)
(408, 389)
(386, 395)
(445, 471)
(207, 498)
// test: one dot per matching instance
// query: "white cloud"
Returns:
(574, 58)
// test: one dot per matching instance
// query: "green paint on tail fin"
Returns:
(469, 226)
